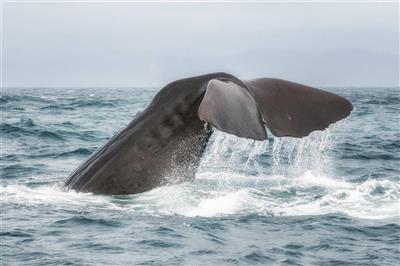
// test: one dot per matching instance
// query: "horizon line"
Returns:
(159, 87)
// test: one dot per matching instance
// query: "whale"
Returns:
(168, 138)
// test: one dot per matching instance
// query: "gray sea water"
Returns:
(328, 199)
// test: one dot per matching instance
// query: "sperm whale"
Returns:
(171, 134)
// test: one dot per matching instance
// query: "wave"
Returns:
(68, 124)
(79, 220)
(92, 103)
(14, 130)
(42, 154)
(9, 128)
(16, 170)
(385, 101)
(76, 152)
(30, 128)
(24, 98)
(46, 134)
(378, 150)
(11, 108)
(58, 107)
(228, 193)
(372, 156)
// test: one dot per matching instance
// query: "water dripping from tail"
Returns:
(289, 157)
(293, 157)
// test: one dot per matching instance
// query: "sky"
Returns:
(109, 44)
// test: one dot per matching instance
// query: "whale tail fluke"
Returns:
(286, 108)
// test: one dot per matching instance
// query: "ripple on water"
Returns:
(85, 221)
(158, 243)
(257, 257)
(54, 107)
(18, 170)
(76, 152)
(18, 130)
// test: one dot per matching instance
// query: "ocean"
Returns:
(331, 198)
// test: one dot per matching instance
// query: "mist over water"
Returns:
(330, 198)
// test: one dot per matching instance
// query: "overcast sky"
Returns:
(150, 44)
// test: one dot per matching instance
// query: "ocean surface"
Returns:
(328, 199)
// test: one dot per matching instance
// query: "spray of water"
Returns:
(279, 176)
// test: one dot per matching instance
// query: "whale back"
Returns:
(162, 144)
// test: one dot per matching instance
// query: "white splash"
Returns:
(233, 178)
